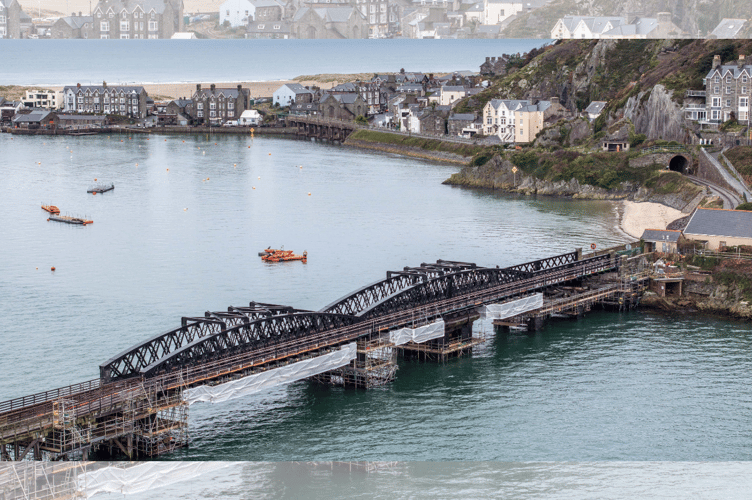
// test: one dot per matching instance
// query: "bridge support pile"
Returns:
(375, 365)
(457, 341)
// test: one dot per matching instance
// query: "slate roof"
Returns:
(463, 116)
(183, 102)
(268, 27)
(232, 93)
(266, 3)
(76, 22)
(345, 87)
(491, 29)
(100, 88)
(410, 87)
(595, 107)
(478, 7)
(734, 69)
(511, 104)
(715, 222)
(653, 235)
(728, 28)
(73, 116)
(297, 88)
(453, 88)
(36, 115)
(130, 5)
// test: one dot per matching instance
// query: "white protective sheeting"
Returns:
(274, 377)
(141, 478)
(512, 308)
(417, 335)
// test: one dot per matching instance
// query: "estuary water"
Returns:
(180, 233)
(67, 62)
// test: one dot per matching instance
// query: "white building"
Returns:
(237, 12)
(499, 118)
(498, 11)
(585, 26)
(49, 99)
(451, 94)
(291, 92)
(249, 118)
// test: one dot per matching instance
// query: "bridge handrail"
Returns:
(52, 394)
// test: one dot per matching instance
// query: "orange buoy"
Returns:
(259, 177)
(254, 187)
(95, 178)
(215, 143)
(249, 147)
(53, 268)
(94, 193)
(309, 194)
(270, 154)
(137, 164)
(168, 169)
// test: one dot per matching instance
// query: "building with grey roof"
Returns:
(342, 106)
(217, 105)
(272, 30)
(329, 22)
(36, 118)
(717, 228)
(79, 27)
(661, 240)
(729, 28)
(137, 19)
(10, 19)
(594, 109)
(125, 100)
(291, 93)
(728, 89)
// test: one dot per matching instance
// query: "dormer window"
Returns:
(277, 26)
(261, 26)
(717, 79)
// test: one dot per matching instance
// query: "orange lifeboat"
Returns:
(51, 209)
(283, 256)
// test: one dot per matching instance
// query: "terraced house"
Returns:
(216, 105)
(127, 101)
(10, 19)
(137, 19)
(728, 88)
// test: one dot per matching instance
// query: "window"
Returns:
(489, 120)
(141, 15)
(212, 114)
(200, 105)
(141, 26)
(124, 37)
(111, 15)
(152, 26)
(716, 90)
(124, 14)
(743, 102)
(124, 26)
(744, 78)
(200, 114)
(277, 26)
(99, 15)
(261, 26)
(2, 19)
(212, 105)
(728, 90)
(717, 79)
(716, 102)
(152, 15)
(153, 37)
(744, 90)
(373, 9)
(104, 26)
(122, 100)
(728, 79)
(135, 15)
(715, 114)
(230, 105)
(728, 103)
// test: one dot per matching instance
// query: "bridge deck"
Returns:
(103, 405)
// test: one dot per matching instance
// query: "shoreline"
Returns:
(635, 218)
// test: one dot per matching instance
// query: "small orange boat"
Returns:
(283, 256)
(51, 209)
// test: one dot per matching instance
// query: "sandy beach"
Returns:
(637, 217)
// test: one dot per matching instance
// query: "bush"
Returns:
(745, 206)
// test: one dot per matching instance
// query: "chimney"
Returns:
(240, 88)
(741, 60)
(664, 17)
(488, 59)
(78, 85)
(716, 61)
(79, 13)
(554, 100)
(213, 86)
(104, 84)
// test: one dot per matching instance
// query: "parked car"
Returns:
(230, 123)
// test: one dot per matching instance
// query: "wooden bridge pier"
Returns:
(321, 128)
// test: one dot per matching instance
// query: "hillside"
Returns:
(692, 16)
(642, 80)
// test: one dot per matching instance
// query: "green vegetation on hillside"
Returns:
(416, 142)
(741, 158)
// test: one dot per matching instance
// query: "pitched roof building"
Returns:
(137, 19)
(10, 19)
(122, 100)
(718, 228)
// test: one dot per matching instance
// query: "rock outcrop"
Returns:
(655, 114)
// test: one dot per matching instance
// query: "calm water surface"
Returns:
(171, 243)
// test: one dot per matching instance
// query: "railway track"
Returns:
(729, 198)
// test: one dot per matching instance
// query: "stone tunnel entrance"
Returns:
(679, 164)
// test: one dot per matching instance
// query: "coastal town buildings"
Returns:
(342, 106)
(291, 93)
(730, 28)
(728, 90)
(234, 13)
(80, 27)
(718, 229)
(217, 105)
(49, 99)
(10, 19)
(335, 21)
(271, 30)
(130, 101)
(529, 121)
(585, 26)
(498, 11)
(9, 109)
(137, 19)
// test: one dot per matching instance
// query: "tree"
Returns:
(361, 120)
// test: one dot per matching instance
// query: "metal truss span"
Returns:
(255, 336)
(130, 362)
